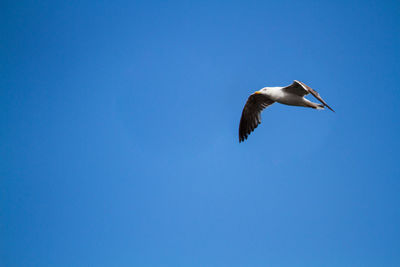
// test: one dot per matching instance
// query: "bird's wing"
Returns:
(301, 89)
(251, 114)
(296, 88)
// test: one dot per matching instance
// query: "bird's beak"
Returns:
(257, 92)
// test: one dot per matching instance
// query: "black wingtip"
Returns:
(330, 108)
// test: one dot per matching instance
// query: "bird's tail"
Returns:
(313, 105)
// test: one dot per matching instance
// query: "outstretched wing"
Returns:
(300, 89)
(251, 114)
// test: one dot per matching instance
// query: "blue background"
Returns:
(119, 134)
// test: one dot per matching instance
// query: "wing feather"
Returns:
(251, 114)
(301, 89)
(296, 88)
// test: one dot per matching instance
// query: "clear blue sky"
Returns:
(119, 134)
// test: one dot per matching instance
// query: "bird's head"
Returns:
(261, 91)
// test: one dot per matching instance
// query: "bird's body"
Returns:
(292, 95)
(277, 94)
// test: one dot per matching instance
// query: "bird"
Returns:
(292, 95)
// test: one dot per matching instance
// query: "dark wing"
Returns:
(301, 89)
(251, 114)
(296, 88)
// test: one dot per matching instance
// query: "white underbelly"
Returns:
(292, 100)
(285, 98)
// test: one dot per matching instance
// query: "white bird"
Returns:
(292, 95)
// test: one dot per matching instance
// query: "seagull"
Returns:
(292, 95)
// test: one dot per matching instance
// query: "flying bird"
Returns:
(292, 95)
